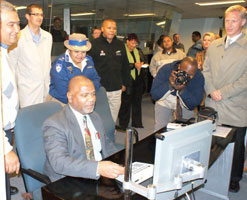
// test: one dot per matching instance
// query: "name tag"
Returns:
(102, 53)
(118, 53)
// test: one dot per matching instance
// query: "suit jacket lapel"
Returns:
(75, 128)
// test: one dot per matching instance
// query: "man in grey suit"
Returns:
(69, 149)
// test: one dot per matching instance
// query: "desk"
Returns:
(70, 188)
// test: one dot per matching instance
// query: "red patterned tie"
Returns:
(88, 140)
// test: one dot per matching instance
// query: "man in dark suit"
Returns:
(74, 138)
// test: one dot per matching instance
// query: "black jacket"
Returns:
(111, 63)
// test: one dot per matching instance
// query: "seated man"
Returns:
(178, 86)
(74, 138)
(73, 63)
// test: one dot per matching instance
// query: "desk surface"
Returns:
(70, 188)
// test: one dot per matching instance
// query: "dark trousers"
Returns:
(131, 101)
(238, 155)
(9, 135)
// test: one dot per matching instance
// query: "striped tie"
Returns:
(88, 141)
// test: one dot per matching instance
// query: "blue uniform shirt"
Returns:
(63, 70)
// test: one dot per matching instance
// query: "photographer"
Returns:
(177, 87)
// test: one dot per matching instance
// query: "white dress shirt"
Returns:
(10, 96)
(94, 134)
(233, 39)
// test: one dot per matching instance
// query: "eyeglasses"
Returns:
(37, 14)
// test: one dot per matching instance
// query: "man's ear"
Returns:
(243, 22)
(69, 96)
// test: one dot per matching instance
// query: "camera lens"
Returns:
(179, 80)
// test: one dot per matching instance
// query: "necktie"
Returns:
(88, 140)
(228, 41)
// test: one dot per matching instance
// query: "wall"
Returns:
(203, 25)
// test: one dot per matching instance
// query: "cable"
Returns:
(188, 197)
(192, 191)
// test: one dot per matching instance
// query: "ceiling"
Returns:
(116, 8)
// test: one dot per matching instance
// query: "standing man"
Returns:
(225, 71)
(168, 55)
(58, 34)
(111, 63)
(197, 46)
(176, 42)
(9, 96)
(31, 58)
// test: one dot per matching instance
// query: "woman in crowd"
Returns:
(206, 41)
(132, 97)
(72, 63)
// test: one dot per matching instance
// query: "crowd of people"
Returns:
(213, 70)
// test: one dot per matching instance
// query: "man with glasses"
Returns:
(31, 58)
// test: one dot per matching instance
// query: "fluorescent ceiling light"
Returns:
(219, 3)
(139, 15)
(120, 37)
(20, 7)
(82, 14)
(161, 23)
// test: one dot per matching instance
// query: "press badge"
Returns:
(118, 53)
(102, 53)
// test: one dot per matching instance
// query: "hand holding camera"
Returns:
(179, 79)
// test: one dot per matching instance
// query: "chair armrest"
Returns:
(36, 175)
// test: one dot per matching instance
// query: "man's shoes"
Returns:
(234, 186)
(13, 190)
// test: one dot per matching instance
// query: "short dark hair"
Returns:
(174, 35)
(197, 33)
(133, 36)
(29, 8)
(160, 40)
(57, 18)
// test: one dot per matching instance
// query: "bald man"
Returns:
(111, 63)
(181, 96)
(74, 138)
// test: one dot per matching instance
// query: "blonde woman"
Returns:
(206, 41)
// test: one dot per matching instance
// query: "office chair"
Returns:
(103, 109)
(29, 142)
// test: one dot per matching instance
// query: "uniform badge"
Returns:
(58, 67)
(102, 53)
(69, 68)
(118, 53)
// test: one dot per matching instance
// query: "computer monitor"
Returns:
(181, 159)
